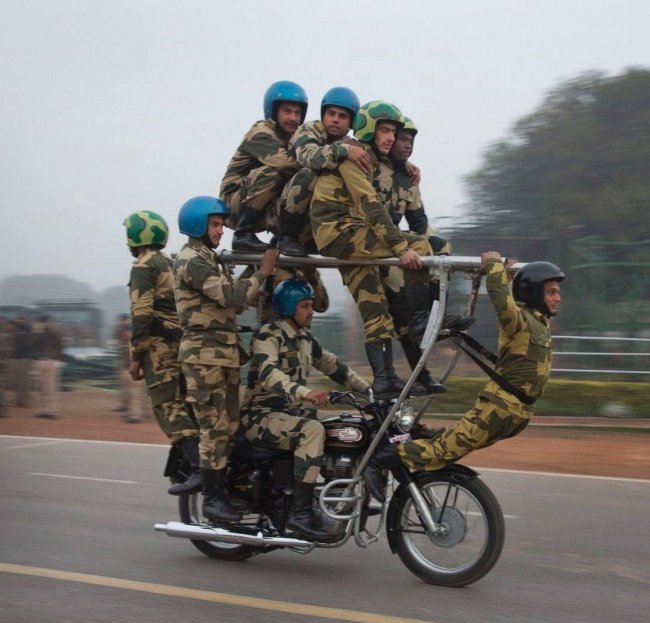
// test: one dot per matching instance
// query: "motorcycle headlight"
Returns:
(405, 417)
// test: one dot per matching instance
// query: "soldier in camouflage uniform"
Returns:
(262, 165)
(208, 300)
(524, 361)
(349, 222)
(155, 337)
(397, 191)
(317, 146)
(283, 353)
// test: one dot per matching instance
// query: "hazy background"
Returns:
(114, 106)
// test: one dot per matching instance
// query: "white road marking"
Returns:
(121, 482)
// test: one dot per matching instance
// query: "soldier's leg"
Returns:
(482, 426)
(162, 375)
(293, 213)
(304, 436)
(258, 193)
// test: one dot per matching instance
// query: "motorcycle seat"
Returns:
(255, 452)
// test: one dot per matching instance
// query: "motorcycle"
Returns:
(446, 526)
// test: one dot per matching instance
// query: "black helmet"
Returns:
(528, 284)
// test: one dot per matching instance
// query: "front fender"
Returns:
(454, 473)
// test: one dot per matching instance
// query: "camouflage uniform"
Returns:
(348, 222)
(273, 416)
(258, 171)
(208, 300)
(155, 338)
(525, 352)
(315, 152)
(401, 198)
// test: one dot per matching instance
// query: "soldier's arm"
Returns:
(218, 287)
(264, 147)
(266, 348)
(416, 217)
(365, 196)
(310, 151)
(141, 291)
(337, 370)
(509, 315)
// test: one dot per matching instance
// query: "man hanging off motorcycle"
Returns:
(274, 416)
(523, 366)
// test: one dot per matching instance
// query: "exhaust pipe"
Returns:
(210, 533)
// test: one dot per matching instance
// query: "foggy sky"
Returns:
(112, 106)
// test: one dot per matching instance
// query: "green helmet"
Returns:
(144, 229)
(409, 125)
(368, 115)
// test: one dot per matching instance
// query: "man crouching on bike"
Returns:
(283, 353)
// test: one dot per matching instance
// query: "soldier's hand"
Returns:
(410, 259)
(488, 255)
(320, 399)
(414, 173)
(360, 157)
(309, 272)
(269, 261)
(135, 371)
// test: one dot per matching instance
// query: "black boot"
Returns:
(301, 518)
(189, 446)
(417, 296)
(290, 246)
(425, 380)
(452, 322)
(384, 458)
(216, 503)
(244, 239)
(385, 384)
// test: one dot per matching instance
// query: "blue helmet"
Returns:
(284, 91)
(288, 294)
(193, 215)
(343, 98)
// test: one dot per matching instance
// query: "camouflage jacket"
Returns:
(399, 195)
(345, 200)
(153, 308)
(208, 300)
(282, 359)
(313, 148)
(525, 346)
(264, 145)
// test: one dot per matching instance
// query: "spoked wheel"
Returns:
(473, 536)
(189, 507)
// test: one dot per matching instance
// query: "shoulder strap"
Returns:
(476, 351)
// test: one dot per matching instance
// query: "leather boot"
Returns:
(384, 458)
(290, 246)
(301, 518)
(244, 239)
(189, 446)
(385, 384)
(425, 380)
(417, 296)
(216, 503)
(290, 227)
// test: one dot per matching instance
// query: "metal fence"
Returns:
(608, 355)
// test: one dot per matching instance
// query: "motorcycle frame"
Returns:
(441, 265)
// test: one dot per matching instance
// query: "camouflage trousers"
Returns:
(366, 284)
(304, 436)
(293, 206)
(259, 192)
(162, 376)
(482, 426)
(213, 392)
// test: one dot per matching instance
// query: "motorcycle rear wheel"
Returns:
(475, 530)
(189, 508)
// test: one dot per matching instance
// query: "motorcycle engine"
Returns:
(338, 466)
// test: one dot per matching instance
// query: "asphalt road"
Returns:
(77, 545)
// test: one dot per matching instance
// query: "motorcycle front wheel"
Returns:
(189, 507)
(474, 530)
